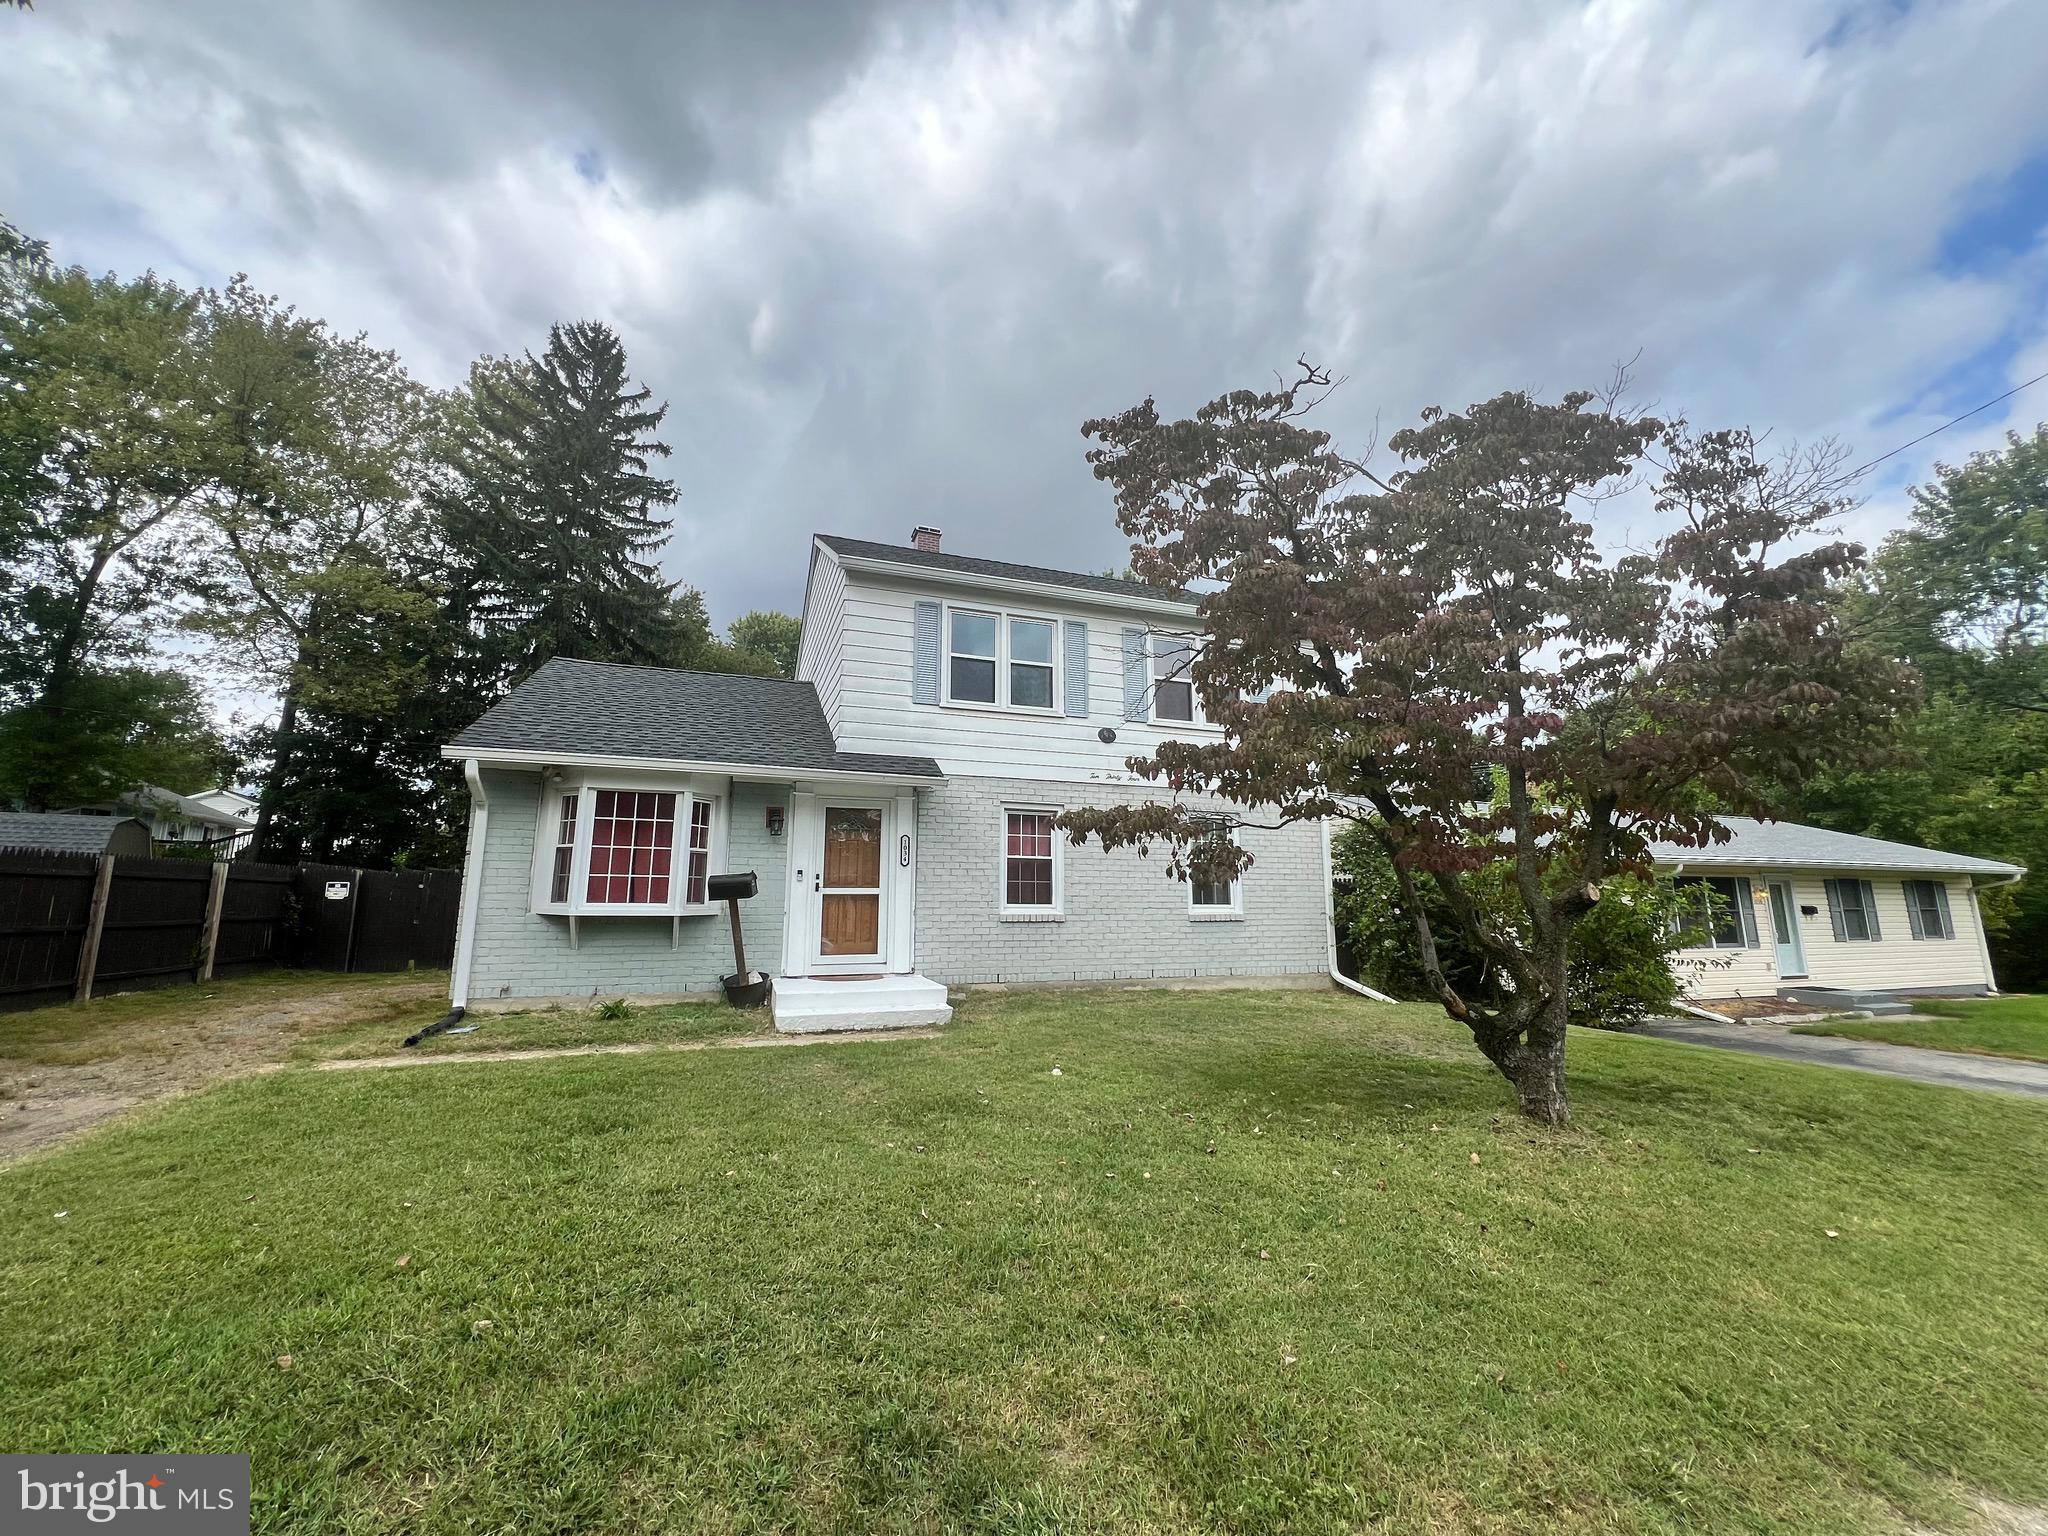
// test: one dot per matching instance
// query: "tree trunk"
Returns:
(1532, 1058)
(1535, 1066)
(273, 783)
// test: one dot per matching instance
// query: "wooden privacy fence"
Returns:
(73, 925)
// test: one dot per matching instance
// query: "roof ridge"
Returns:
(648, 666)
(1092, 581)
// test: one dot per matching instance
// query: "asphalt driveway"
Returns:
(1950, 1069)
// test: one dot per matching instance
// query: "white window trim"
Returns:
(1002, 616)
(687, 789)
(1198, 720)
(1228, 912)
(1030, 914)
(1713, 942)
(1867, 913)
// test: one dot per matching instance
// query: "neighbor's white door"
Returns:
(849, 869)
(1785, 930)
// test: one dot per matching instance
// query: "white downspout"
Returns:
(1330, 926)
(1984, 944)
(472, 884)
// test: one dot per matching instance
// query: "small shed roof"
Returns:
(1790, 845)
(67, 831)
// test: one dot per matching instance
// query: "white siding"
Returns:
(1895, 962)
(875, 712)
(821, 652)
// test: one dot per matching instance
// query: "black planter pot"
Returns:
(748, 991)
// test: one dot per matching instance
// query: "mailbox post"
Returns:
(743, 988)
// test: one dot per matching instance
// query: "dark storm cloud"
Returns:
(884, 259)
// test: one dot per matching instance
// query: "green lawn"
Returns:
(1250, 1262)
(1992, 1026)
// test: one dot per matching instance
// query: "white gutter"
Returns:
(472, 885)
(750, 772)
(1053, 591)
(1330, 927)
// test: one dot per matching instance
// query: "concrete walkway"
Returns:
(1949, 1069)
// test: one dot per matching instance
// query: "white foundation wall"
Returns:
(520, 954)
(1123, 917)
(1895, 962)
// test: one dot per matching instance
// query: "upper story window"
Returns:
(622, 850)
(1173, 689)
(1004, 660)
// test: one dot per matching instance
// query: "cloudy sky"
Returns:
(883, 258)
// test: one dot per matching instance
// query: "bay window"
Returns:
(628, 847)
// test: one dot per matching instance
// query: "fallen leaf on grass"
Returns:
(1475, 1159)
(402, 1260)
(1831, 1232)
(482, 1325)
(284, 1362)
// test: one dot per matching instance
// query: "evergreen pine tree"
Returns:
(551, 512)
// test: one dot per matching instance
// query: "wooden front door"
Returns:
(849, 887)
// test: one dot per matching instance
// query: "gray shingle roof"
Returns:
(971, 565)
(1789, 845)
(61, 831)
(595, 709)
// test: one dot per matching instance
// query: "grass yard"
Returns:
(1992, 1026)
(1250, 1262)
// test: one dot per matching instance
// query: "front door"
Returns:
(1785, 930)
(848, 888)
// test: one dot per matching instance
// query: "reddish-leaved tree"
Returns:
(1456, 624)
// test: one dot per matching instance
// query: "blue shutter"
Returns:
(1834, 890)
(1948, 922)
(1745, 904)
(1136, 663)
(924, 653)
(1913, 909)
(1870, 907)
(1075, 640)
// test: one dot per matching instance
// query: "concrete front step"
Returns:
(812, 1004)
(1880, 1005)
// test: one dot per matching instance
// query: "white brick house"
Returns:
(895, 802)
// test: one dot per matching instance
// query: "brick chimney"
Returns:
(926, 539)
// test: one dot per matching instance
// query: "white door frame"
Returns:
(804, 893)
(1773, 885)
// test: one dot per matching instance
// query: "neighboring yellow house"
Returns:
(1812, 914)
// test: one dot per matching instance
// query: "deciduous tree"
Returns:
(1458, 619)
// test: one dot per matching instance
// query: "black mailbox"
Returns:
(733, 887)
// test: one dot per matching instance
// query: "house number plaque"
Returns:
(903, 850)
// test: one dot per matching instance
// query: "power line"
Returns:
(2037, 378)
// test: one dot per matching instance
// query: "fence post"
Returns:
(355, 907)
(89, 951)
(216, 896)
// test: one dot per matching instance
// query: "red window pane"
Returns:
(1027, 864)
(630, 838)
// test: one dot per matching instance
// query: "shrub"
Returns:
(1623, 966)
(615, 1008)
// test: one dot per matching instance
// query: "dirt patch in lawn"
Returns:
(123, 1053)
